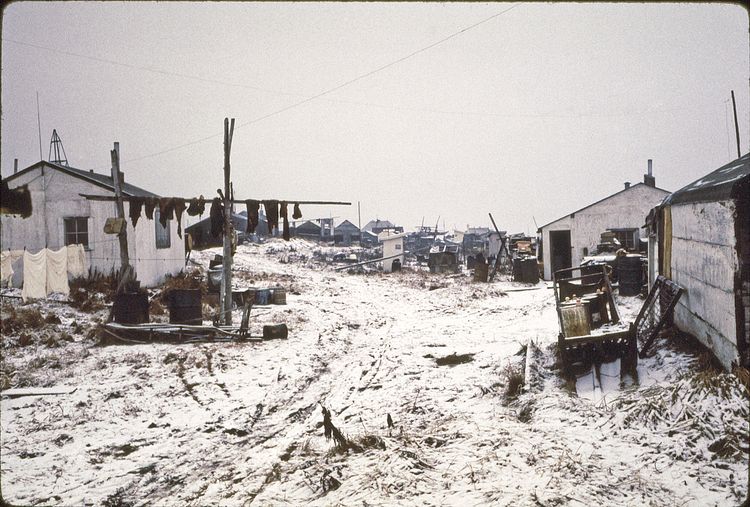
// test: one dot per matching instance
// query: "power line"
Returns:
(154, 70)
(341, 101)
(308, 99)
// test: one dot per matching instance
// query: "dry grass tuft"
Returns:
(21, 319)
(183, 280)
(91, 294)
(513, 378)
(743, 375)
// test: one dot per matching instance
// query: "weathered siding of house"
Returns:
(56, 197)
(704, 262)
(625, 210)
(392, 245)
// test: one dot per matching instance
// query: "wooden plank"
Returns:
(94, 197)
(37, 391)
(581, 340)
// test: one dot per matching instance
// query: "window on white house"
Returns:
(76, 231)
(628, 238)
(163, 239)
(398, 247)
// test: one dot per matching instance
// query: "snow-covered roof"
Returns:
(384, 236)
(380, 224)
(101, 180)
(721, 184)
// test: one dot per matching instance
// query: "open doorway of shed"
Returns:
(559, 249)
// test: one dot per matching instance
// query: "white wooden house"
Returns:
(567, 240)
(61, 216)
(704, 246)
(393, 244)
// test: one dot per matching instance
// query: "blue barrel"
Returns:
(263, 297)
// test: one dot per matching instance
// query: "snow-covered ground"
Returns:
(241, 423)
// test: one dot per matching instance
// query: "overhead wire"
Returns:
(344, 101)
(278, 111)
(335, 88)
(154, 70)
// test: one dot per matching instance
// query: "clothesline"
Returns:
(138, 259)
(45, 271)
(92, 197)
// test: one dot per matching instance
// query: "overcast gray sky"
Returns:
(533, 113)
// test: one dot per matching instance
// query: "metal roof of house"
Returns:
(722, 184)
(378, 223)
(346, 224)
(666, 192)
(98, 179)
(307, 225)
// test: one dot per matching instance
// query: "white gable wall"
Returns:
(704, 262)
(392, 245)
(624, 210)
(55, 196)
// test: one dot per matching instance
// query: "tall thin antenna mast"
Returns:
(726, 124)
(736, 126)
(39, 126)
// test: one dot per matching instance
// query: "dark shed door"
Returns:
(559, 249)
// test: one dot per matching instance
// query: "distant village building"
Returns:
(346, 233)
(567, 240)
(200, 232)
(61, 216)
(307, 229)
(481, 240)
(369, 239)
(393, 244)
(378, 226)
(704, 247)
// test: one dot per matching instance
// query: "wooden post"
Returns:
(123, 236)
(499, 252)
(226, 281)
(359, 223)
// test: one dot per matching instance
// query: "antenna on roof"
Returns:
(39, 126)
(56, 150)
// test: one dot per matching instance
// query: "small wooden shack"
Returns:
(703, 234)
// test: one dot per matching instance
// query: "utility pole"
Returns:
(39, 126)
(359, 223)
(117, 179)
(226, 280)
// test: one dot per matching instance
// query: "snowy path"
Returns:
(234, 424)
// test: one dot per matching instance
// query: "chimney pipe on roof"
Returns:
(15, 165)
(649, 179)
(627, 185)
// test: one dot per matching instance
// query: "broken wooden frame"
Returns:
(656, 312)
(593, 348)
(114, 332)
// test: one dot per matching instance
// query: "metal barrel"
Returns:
(275, 331)
(185, 307)
(631, 274)
(525, 270)
(480, 272)
(130, 308)
(279, 296)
